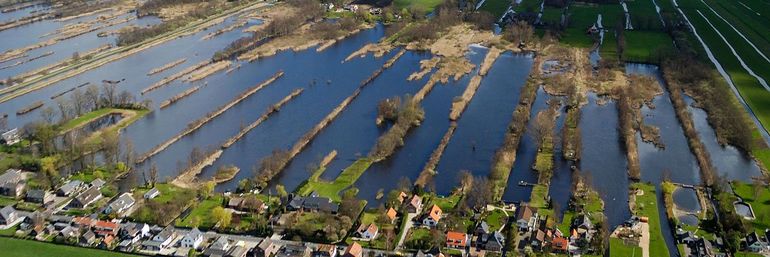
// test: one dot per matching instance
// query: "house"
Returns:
(192, 239)
(414, 205)
(367, 232)
(753, 243)
(9, 217)
(106, 228)
(402, 197)
(11, 137)
(538, 239)
(12, 183)
(161, 240)
(433, 216)
(69, 188)
(86, 198)
(68, 232)
(493, 241)
(456, 240)
(134, 231)
(354, 250)
(526, 218)
(39, 196)
(313, 203)
(98, 183)
(293, 250)
(106, 242)
(583, 223)
(125, 246)
(324, 250)
(120, 205)
(219, 248)
(560, 244)
(154, 192)
(391, 214)
(266, 248)
(87, 239)
(248, 204)
(435, 252)
(83, 222)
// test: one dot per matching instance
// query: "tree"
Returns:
(153, 174)
(79, 102)
(129, 153)
(206, 189)
(109, 94)
(47, 114)
(404, 184)
(92, 96)
(480, 193)
(519, 33)
(465, 178)
(281, 191)
(110, 146)
(221, 216)
(350, 206)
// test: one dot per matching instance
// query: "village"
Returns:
(368, 128)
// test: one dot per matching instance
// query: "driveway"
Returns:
(407, 227)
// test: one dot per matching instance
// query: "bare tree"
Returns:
(92, 96)
(153, 174)
(480, 193)
(79, 102)
(109, 94)
(125, 98)
(542, 126)
(64, 109)
(465, 178)
(48, 114)
(110, 147)
(128, 153)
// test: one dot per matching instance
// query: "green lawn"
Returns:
(203, 213)
(28, 248)
(332, 189)
(744, 254)
(760, 205)
(539, 194)
(495, 219)
(5, 201)
(619, 249)
(425, 5)
(495, 7)
(446, 203)
(646, 46)
(647, 206)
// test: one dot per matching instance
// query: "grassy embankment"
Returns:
(333, 188)
(29, 248)
(646, 205)
(129, 116)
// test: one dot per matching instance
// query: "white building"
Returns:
(192, 239)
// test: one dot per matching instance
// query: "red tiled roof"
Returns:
(435, 213)
(354, 250)
(456, 238)
(391, 213)
(560, 243)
